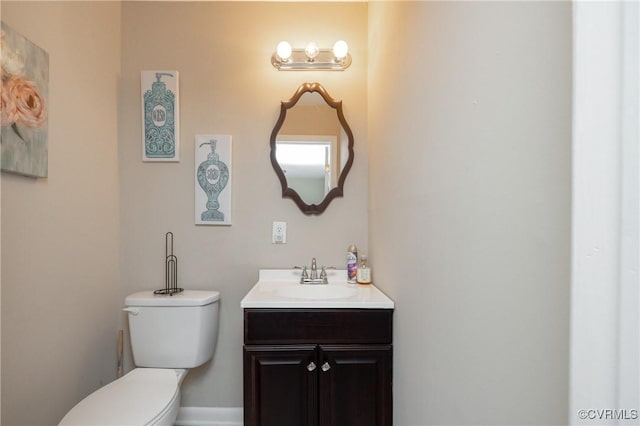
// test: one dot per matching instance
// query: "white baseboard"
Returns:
(209, 416)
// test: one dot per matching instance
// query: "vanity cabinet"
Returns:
(318, 367)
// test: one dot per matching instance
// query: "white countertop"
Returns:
(280, 288)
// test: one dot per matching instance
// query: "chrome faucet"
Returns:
(314, 269)
(312, 276)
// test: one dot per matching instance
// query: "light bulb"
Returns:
(340, 50)
(283, 51)
(312, 51)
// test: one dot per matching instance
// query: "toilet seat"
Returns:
(144, 396)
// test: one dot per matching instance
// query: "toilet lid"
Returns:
(134, 399)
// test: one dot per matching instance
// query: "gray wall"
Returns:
(467, 206)
(469, 220)
(78, 242)
(60, 235)
(228, 86)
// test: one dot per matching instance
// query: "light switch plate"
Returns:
(279, 233)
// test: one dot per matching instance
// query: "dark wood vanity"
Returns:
(318, 367)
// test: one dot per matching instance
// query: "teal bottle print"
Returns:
(212, 176)
(160, 119)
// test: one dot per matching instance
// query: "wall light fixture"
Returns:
(311, 57)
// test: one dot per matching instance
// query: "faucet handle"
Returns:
(323, 272)
(304, 274)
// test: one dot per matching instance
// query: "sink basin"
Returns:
(281, 289)
(316, 291)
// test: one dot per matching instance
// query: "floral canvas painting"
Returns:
(23, 104)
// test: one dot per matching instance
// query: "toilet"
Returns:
(169, 336)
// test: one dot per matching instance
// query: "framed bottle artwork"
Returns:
(160, 116)
(213, 179)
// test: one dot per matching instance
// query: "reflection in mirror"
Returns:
(306, 161)
(311, 148)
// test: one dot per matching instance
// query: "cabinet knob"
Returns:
(326, 366)
(311, 366)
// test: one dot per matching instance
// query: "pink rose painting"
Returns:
(23, 104)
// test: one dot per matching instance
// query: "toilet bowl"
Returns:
(169, 335)
(144, 396)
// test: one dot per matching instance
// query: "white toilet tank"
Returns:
(178, 331)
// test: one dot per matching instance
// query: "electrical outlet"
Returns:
(279, 233)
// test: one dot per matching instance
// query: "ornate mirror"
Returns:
(311, 148)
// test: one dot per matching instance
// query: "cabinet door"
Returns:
(280, 385)
(355, 385)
